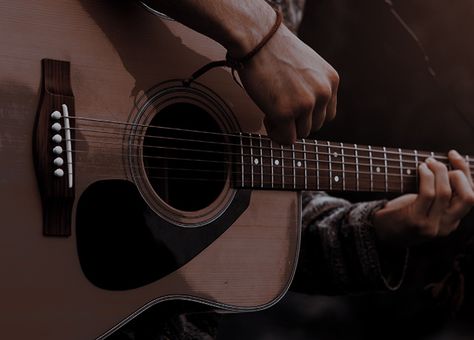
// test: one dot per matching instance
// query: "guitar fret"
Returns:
(330, 165)
(371, 170)
(305, 167)
(386, 168)
(357, 166)
(261, 161)
(294, 166)
(401, 169)
(416, 167)
(251, 161)
(282, 167)
(317, 163)
(343, 168)
(271, 159)
(242, 159)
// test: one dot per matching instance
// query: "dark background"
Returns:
(389, 96)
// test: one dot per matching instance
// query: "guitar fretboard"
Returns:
(322, 165)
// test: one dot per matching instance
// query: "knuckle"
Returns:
(305, 105)
(429, 193)
(438, 166)
(468, 198)
(283, 111)
(427, 230)
(324, 93)
(454, 226)
(318, 119)
(429, 174)
(334, 78)
(287, 109)
(457, 173)
(445, 194)
(449, 228)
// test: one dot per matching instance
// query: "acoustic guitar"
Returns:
(122, 187)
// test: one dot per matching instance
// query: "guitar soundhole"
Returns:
(185, 157)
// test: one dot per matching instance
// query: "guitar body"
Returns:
(91, 279)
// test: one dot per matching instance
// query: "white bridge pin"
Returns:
(56, 127)
(57, 138)
(59, 172)
(56, 115)
(57, 150)
(58, 161)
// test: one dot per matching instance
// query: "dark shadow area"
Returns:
(388, 97)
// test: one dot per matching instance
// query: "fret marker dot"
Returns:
(298, 163)
(255, 161)
(377, 169)
(336, 179)
(408, 172)
(335, 154)
(277, 162)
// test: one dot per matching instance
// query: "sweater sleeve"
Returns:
(339, 251)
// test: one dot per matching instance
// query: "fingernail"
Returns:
(430, 160)
(455, 154)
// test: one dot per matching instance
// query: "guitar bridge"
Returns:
(53, 147)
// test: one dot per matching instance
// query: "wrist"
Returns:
(244, 34)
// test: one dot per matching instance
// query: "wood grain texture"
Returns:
(57, 196)
(117, 51)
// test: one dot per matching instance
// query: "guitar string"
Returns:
(420, 154)
(263, 156)
(257, 182)
(246, 155)
(235, 135)
(363, 184)
(360, 148)
(257, 167)
(310, 152)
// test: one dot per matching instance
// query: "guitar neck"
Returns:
(322, 165)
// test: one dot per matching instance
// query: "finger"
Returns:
(304, 120)
(427, 192)
(331, 109)
(319, 114)
(281, 131)
(442, 189)
(323, 95)
(458, 162)
(332, 104)
(463, 198)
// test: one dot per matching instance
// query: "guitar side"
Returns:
(116, 52)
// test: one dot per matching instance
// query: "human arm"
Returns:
(443, 200)
(364, 246)
(290, 82)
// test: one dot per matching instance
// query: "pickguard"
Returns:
(123, 244)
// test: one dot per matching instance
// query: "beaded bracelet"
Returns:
(237, 63)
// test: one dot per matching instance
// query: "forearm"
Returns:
(238, 25)
(339, 250)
